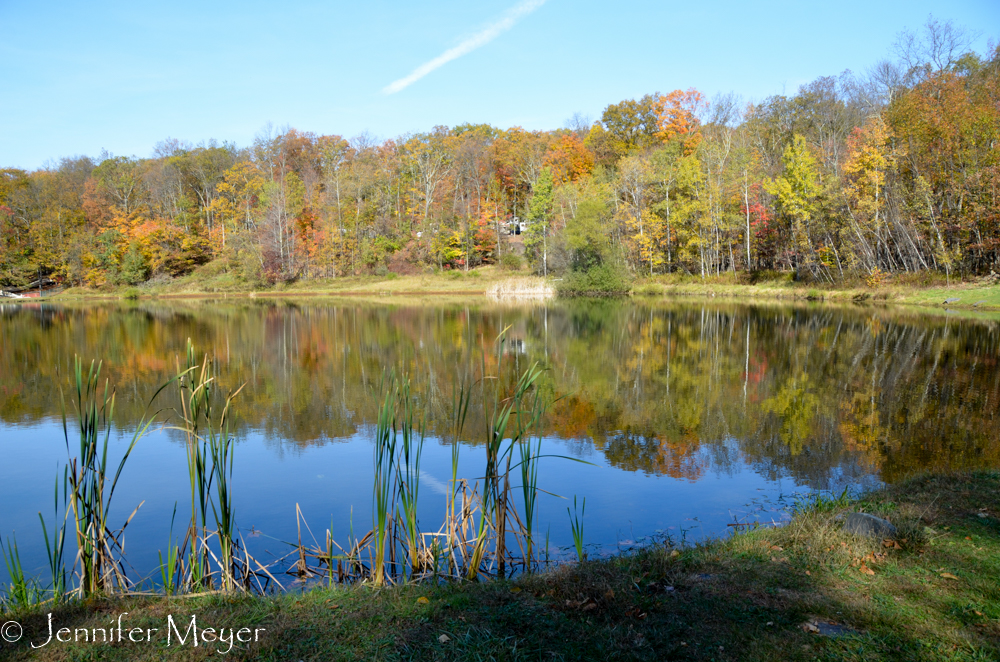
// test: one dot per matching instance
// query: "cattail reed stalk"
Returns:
(408, 474)
(56, 545)
(99, 549)
(210, 447)
(385, 455)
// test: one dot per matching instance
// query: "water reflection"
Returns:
(822, 394)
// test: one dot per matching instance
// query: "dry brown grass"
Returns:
(521, 288)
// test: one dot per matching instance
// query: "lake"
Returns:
(688, 415)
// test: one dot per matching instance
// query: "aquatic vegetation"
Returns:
(210, 446)
(22, 592)
(100, 549)
(483, 533)
(576, 524)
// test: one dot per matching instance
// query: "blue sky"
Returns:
(79, 77)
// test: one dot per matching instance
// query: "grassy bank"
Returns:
(919, 289)
(929, 594)
(212, 280)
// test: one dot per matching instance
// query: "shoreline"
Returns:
(965, 298)
(801, 591)
(209, 282)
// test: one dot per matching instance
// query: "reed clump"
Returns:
(100, 556)
(488, 528)
(209, 557)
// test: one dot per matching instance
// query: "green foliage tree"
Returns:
(797, 190)
(539, 220)
(135, 267)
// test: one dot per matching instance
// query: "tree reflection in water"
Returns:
(667, 388)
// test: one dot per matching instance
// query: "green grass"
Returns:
(988, 297)
(907, 291)
(745, 597)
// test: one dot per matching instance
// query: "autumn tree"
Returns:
(797, 191)
(677, 116)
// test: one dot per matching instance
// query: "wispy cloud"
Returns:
(433, 483)
(481, 38)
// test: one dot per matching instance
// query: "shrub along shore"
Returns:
(807, 590)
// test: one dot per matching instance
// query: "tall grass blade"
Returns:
(576, 524)
(21, 593)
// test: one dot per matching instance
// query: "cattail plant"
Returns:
(100, 550)
(209, 445)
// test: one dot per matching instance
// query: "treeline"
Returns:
(896, 171)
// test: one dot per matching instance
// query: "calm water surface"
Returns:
(690, 415)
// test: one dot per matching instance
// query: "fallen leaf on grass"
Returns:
(515, 590)
(809, 627)
(948, 575)
(777, 548)
(444, 638)
(865, 569)
(423, 601)
(635, 612)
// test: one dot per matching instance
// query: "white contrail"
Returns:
(472, 43)
(433, 483)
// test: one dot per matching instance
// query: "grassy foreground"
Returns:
(931, 594)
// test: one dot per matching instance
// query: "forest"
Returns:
(854, 176)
